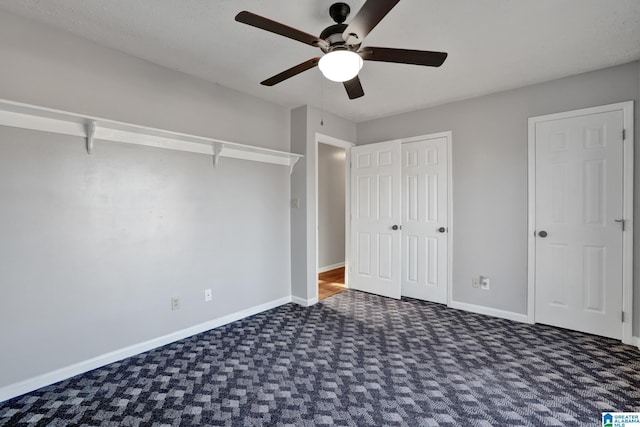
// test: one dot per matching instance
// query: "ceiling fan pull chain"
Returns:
(321, 101)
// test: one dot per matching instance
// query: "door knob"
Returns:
(442, 229)
(396, 227)
(542, 234)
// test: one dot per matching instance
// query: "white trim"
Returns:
(450, 219)
(445, 134)
(346, 145)
(449, 136)
(329, 140)
(627, 237)
(488, 311)
(627, 212)
(26, 116)
(330, 267)
(305, 302)
(635, 341)
(583, 112)
(531, 223)
(22, 387)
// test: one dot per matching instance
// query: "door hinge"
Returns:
(624, 134)
(622, 316)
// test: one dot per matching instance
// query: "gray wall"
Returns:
(305, 123)
(490, 174)
(92, 248)
(331, 213)
(299, 232)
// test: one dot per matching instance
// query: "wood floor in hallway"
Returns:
(331, 283)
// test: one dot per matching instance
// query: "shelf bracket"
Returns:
(294, 160)
(91, 131)
(217, 149)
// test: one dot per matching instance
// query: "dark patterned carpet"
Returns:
(353, 360)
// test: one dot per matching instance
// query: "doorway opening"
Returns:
(332, 215)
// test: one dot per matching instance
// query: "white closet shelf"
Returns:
(25, 116)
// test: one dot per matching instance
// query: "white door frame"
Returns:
(448, 135)
(627, 209)
(346, 145)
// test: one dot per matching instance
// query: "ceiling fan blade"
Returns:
(354, 88)
(278, 28)
(369, 15)
(307, 65)
(403, 56)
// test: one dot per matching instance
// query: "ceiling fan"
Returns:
(341, 43)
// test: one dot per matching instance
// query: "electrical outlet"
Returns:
(475, 282)
(484, 283)
(175, 303)
(208, 296)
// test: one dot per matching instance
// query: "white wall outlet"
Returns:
(475, 282)
(208, 296)
(175, 303)
(484, 282)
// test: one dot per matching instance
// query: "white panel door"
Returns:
(375, 225)
(578, 274)
(424, 219)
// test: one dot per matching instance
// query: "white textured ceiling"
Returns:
(492, 44)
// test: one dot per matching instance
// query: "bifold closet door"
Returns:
(375, 218)
(424, 219)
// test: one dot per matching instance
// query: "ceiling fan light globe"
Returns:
(340, 65)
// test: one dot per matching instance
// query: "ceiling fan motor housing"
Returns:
(333, 33)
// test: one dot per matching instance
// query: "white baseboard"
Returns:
(635, 341)
(22, 387)
(509, 315)
(304, 302)
(330, 267)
